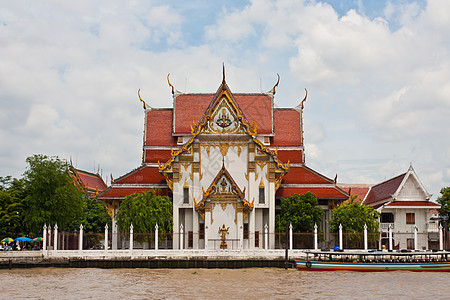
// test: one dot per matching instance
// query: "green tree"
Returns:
(302, 211)
(96, 216)
(444, 201)
(12, 193)
(353, 215)
(52, 196)
(144, 211)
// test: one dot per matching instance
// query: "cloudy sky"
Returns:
(377, 73)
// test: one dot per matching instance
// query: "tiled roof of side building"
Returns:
(159, 128)
(358, 190)
(91, 181)
(191, 107)
(384, 190)
(413, 203)
(286, 128)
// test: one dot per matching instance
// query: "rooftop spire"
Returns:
(223, 73)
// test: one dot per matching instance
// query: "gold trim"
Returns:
(223, 205)
(186, 165)
(224, 149)
(261, 184)
(186, 185)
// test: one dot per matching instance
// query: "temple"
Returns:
(225, 160)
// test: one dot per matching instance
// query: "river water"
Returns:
(264, 283)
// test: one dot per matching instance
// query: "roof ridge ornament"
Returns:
(143, 102)
(273, 91)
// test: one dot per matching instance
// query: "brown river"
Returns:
(64, 283)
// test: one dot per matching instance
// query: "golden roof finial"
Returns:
(273, 91)
(143, 102)
(168, 81)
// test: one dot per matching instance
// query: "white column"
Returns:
(365, 237)
(415, 237)
(316, 244)
(44, 242)
(266, 237)
(441, 240)
(241, 237)
(106, 237)
(114, 231)
(131, 237)
(80, 240)
(156, 236)
(181, 237)
(206, 237)
(291, 242)
(390, 237)
(340, 238)
(55, 237)
(49, 236)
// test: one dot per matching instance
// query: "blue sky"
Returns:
(377, 74)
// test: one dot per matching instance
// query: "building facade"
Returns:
(405, 207)
(225, 160)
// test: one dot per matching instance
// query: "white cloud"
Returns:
(378, 97)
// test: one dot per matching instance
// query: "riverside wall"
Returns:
(149, 259)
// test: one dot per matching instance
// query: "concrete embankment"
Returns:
(151, 260)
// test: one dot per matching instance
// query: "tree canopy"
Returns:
(302, 211)
(95, 216)
(52, 196)
(444, 201)
(353, 215)
(144, 211)
(12, 193)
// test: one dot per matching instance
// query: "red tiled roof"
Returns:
(91, 181)
(153, 156)
(191, 107)
(359, 192)
(159, 128)
(293, 156)
(142, 175)
(286, 128)
(304, 175)
(319, 192)
(113, 192)
(384, 190)
(413, 203)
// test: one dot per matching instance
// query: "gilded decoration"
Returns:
(186, 165)
(261, 184)
(224, 206)
(224, 113)
(223, 149)
(186, 185)
(248, 207)
(200, 208)
(223, 191)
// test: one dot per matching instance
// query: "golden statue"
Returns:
(223, 235)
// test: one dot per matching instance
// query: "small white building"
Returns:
(404, 205)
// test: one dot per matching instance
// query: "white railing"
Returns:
(385, 226)
(432, 227)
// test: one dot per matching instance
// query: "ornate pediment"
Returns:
(223, 116)
(224, 187)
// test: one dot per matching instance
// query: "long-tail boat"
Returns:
(375, 261)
